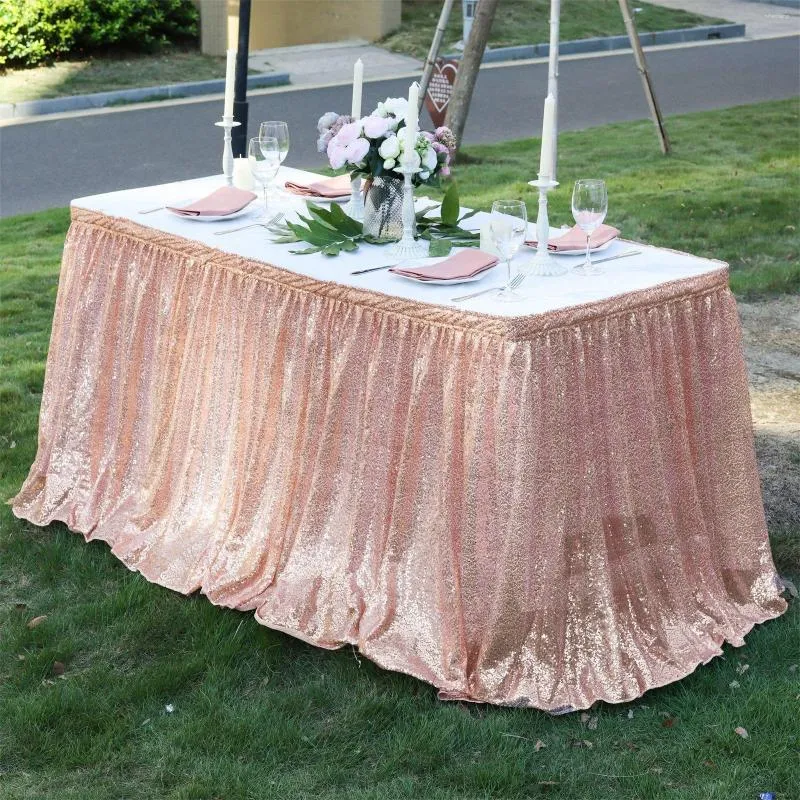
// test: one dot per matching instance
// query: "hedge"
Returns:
(38, 31)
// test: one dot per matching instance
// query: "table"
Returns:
(541, 504)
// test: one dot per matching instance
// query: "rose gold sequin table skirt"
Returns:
(542, 511)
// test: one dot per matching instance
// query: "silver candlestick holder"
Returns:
(408, 246)
(355, 206)
(228, 123)
(543, 263)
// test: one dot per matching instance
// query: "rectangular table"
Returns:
(539, 504)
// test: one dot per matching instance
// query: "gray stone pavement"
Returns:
(763, 20)
(319, 64)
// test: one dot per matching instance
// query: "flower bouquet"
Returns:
(372, 148)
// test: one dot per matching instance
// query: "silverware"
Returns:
(619, 255)
(151, 210)
(274, 221)
(513, 283)
(372, 269)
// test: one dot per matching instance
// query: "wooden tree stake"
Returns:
(641, 65)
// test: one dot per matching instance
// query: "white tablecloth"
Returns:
(652, 267)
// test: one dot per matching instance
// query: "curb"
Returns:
(731, 30)
(35, 108)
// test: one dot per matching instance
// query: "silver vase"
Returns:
(383, 208)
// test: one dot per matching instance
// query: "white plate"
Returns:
(426, 262)
(207, 218)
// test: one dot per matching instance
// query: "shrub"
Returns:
(36, 31)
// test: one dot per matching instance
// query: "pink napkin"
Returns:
(464, 264)
(575, 239)
(220, 203)
(327, 187)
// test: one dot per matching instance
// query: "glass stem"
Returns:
(588, 257)
(508, 266)
(266, 206)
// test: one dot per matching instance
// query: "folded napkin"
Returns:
(464, 264)
(326, 187)
(220, 203)
(575, 239)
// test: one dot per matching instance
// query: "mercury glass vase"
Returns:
(383, 208)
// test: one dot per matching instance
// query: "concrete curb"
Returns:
(56, 105)
(701, 33)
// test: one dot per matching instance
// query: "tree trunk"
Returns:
(458, 108)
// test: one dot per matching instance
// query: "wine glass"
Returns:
(264, 157)
(508, 226)
(589, 207)
(279, 131)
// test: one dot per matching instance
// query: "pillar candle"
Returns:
(242, 176)
(358, 79)
(412, 116)
(548, 135)
(230, 78)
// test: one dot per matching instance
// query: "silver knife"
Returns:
(372, 269)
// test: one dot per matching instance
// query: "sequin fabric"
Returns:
(542, 511)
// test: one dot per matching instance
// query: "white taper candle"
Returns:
(412, 117)
(230, 79)
(548, 134)
(358, 80)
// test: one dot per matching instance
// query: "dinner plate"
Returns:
(426, 262)
(208, 218)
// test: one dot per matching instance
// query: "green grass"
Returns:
(528, 22)
(258, 714)
(109, 73)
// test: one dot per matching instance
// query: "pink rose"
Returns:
(357, 150)
(444, 171)
(375, 127)
(349, 133)
(337, 154)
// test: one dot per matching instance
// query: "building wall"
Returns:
(281, 23)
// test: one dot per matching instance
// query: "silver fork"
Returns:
(151, 210)
(274, 221)
(512, 284)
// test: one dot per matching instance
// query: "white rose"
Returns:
(390, 147)
(396, 106)
(429, 160)
(389, 163)
(424, 175)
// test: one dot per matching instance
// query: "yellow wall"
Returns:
(280, 23)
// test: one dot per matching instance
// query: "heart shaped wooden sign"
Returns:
(440, 88)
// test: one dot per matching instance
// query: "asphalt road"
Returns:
(48, 162)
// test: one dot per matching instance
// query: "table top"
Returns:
(654, 266)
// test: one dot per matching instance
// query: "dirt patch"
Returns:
(771, 333)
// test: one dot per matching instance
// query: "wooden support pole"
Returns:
(641, 65)
(433, 53)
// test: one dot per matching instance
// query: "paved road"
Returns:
(47, 163)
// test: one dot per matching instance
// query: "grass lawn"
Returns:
(108, 73)
(528, 22)
(257, 714)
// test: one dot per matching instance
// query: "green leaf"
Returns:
(450, 206)
(344, 223)
(305, 252)
(332, 249)
(440, 247)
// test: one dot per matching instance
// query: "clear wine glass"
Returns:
(508, 226)
(264, 157)
(279, 131)
(589, 208)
